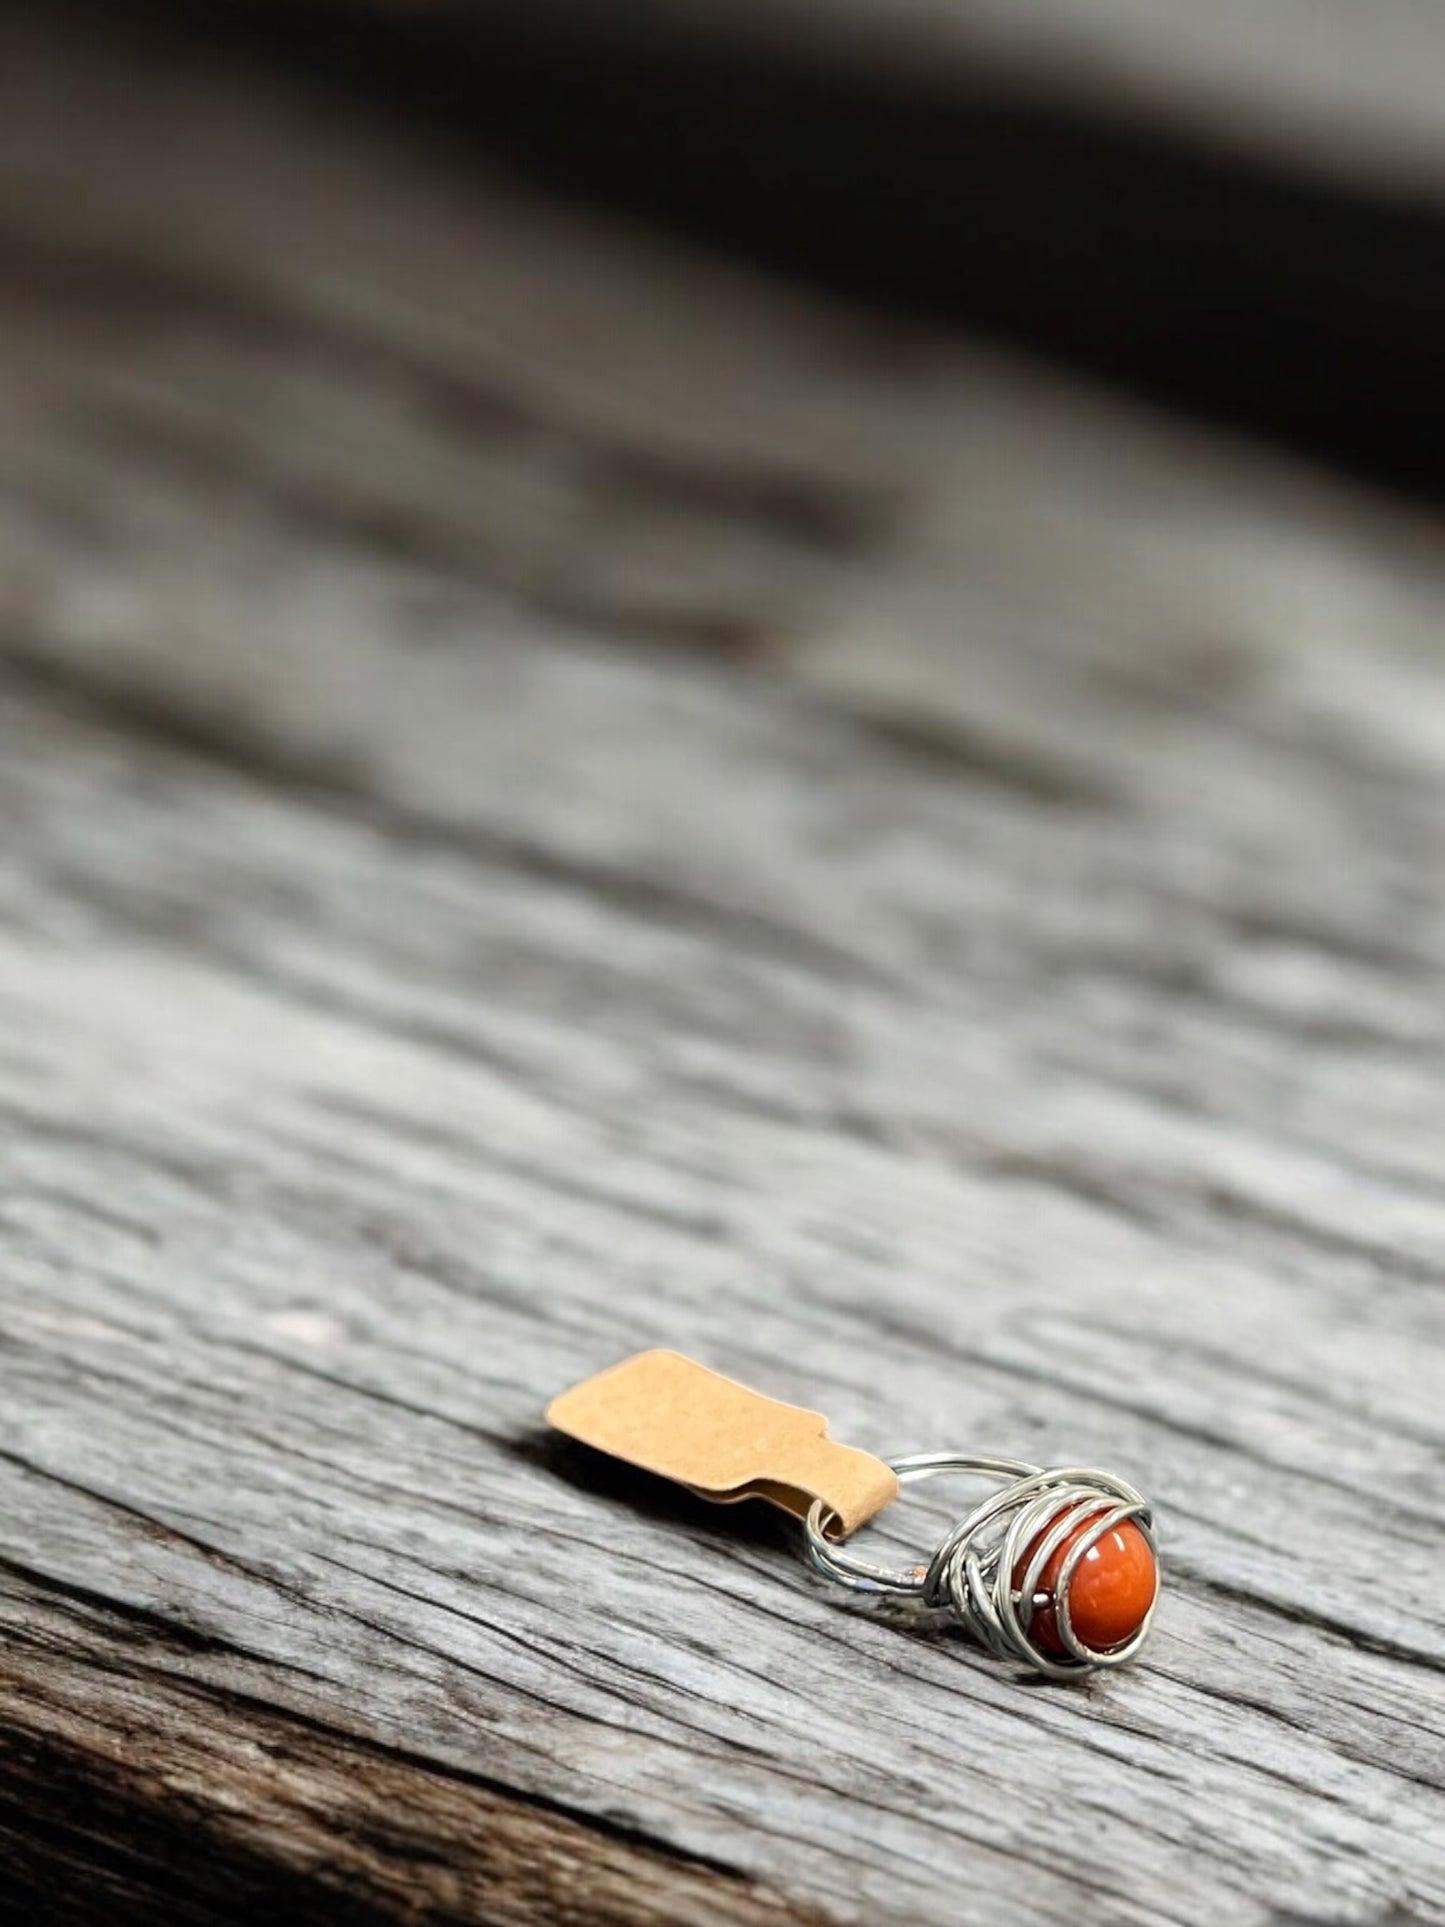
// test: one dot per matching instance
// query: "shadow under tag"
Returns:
(666, 1414)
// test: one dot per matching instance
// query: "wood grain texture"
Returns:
(988, 989)
(307, 1822)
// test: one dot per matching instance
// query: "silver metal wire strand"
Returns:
(971, 1570)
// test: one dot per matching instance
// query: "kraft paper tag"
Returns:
(666, 1414)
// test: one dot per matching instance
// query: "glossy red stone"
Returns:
(1112, 1588)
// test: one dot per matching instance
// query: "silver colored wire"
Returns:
(971, 1570)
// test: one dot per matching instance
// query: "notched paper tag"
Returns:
(666, 1414)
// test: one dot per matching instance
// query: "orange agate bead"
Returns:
(1112, 1588)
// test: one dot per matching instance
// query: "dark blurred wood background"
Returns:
(594, 751)
(1236, 209)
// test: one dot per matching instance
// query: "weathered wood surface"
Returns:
(1327, 86)
(989, 988)
(1237, 209)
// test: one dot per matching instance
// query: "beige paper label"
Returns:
(666, 1414)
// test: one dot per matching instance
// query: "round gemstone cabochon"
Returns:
(1110, 1594)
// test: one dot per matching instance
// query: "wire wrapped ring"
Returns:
(989, 1568)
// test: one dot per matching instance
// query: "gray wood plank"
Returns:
(988, 989)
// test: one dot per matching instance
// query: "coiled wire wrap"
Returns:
(972, 1567)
